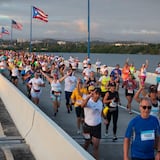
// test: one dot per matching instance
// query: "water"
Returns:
(113, 59)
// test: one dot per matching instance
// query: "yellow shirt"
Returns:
(76, 97)
(104, 82)
(11, 66)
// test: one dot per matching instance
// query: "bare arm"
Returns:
(85, 101)
(105, 99)
(126, 145)
(137, 95)
(157, 157)
(65, 76)
(45, 75)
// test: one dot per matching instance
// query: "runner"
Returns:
(69, 86)
(92, 123)
(144, 133)
(36, 84)
(56, 89)
(143, 73)
(111, 99)
(129, 86)
(76, 98)
(153, 96)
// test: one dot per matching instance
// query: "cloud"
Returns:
(81, 25)
(140, 32)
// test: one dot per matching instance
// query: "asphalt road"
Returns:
(109, 150)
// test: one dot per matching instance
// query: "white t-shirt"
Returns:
(35, 83)
(87, 72)
(70, 83)
(15, 72)
(93, 112)
(98, 64)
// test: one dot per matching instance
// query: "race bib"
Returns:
(147, 135)
(130, 91)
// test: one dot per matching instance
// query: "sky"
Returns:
(110, 20)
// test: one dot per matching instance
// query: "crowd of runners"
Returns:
(93, 94)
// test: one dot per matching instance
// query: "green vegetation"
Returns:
(96, 47)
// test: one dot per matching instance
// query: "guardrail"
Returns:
(46, 139)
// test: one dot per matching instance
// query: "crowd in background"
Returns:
(90, 92)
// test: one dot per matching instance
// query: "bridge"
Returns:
(39, 135)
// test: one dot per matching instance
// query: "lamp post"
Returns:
(88, 49)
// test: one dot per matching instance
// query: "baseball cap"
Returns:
(91, 88)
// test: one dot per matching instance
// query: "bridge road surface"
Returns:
(108, 150)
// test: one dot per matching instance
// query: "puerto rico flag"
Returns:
(39, 14)
(4, 31)
(16, 25)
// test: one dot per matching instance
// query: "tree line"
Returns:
(81, 47)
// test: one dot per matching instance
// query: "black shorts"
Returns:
(94, 131)
(79, 112)
(14, 78)
(129, 94)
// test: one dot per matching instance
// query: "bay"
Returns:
(111, 59)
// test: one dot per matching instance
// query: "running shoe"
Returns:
(114, 138)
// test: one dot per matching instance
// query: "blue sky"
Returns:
(111, 20)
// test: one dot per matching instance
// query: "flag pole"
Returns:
(88, 49)
(30, 48)
(11, 32)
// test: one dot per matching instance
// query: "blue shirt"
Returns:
(116, 73)
(143, 133)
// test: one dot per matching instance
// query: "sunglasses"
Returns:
(146, 107)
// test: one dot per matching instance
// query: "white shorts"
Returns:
(35, 94)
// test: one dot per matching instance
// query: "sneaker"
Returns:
(68, 110)
(70, 107)
(106, 134)
(130, 112)
(114, 138)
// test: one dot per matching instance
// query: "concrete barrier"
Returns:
(46, 139)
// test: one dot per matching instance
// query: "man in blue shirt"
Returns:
(116, 73)
(144, 132)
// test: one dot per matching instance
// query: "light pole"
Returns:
(88, 49)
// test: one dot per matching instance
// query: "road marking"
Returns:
(134, 111)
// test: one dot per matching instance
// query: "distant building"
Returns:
(131, 44)
(61, 42)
